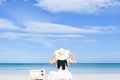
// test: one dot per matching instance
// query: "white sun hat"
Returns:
(62, 54)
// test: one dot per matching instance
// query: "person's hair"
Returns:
(62, 63)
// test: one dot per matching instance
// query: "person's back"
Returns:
(62, 61)
(62, 64)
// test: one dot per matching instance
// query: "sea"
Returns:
(79, 68)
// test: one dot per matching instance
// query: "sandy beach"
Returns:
(76, 77)
(96, 77)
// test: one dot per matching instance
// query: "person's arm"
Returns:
(51, 61)
(73, 60)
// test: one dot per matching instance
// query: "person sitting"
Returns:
(61, 57)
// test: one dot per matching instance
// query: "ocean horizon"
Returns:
(24, 68)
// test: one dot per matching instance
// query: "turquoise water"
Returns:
(24, 68)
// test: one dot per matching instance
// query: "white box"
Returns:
(37, 74)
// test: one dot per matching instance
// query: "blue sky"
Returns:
(31, 30)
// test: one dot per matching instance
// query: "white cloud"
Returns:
(5, 24)
(104, 29)
(79, 6)
(47, 33)
(46, 39)
(13, 35)
(45, 27)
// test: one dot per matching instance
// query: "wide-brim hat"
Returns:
(62, 54)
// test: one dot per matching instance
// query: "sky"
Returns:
(31, 30)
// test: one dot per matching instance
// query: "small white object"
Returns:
(37, 74)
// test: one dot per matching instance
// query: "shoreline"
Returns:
(85, 76)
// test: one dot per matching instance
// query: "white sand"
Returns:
(14, 77)
(76, 77)
(96, 77)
